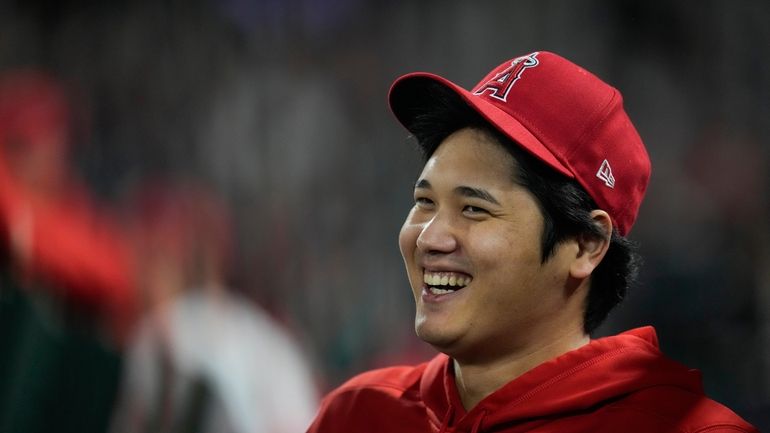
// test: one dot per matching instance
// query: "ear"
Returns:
(591, 249)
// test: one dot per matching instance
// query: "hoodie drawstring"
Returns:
(447, 417)
(477, 424)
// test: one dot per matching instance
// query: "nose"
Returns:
(437, 236)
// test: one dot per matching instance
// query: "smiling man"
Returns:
(516, 251)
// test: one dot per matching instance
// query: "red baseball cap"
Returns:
(560, 113)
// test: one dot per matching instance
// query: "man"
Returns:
(516, 251)
(203, 357)
(67, 280)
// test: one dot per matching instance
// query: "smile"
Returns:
(442, 283)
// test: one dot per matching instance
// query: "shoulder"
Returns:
(391, 382)
(372, 401)
(679, 410)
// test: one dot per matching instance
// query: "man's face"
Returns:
(471, 245)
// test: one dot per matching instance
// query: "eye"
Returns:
(423, 201)
(474, 210)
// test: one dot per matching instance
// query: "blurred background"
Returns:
(201, 199)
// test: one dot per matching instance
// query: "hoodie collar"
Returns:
(602, 370)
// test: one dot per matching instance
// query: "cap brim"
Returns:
(409, 97)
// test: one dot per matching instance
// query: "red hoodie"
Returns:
(615, 384)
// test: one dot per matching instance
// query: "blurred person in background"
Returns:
(53, 232)
(516, 251)
(204, 358)
(67, 294)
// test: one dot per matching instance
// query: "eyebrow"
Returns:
(465, 191)
(422, 183)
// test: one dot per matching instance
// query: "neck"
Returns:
(475, 381)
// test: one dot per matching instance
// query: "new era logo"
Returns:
(605, 174)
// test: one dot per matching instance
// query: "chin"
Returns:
(440, 338)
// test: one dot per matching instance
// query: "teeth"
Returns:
(445, 279)
(437, 291)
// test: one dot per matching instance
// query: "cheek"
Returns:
(407, 243)
(505, 251)
(407, 238)
(509, 261)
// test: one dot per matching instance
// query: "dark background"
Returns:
(281, 106)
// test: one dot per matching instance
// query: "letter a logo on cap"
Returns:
(499, 86)
(605, 174)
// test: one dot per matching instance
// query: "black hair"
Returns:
(566, 207)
